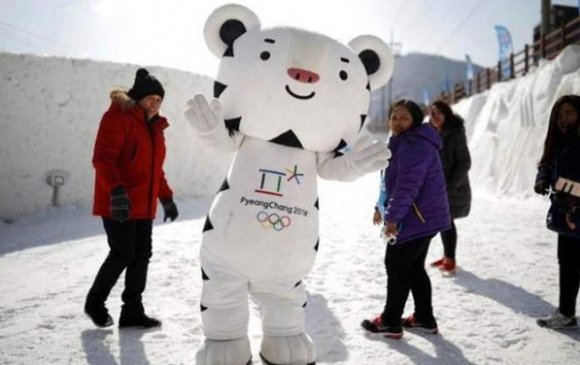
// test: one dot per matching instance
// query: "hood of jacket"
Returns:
(425, 132)
(121, 101)
(120, 98)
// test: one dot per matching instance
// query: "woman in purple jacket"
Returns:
(416, 209)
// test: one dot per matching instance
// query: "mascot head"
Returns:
(290, 86)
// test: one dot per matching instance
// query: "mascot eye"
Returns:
(343, 75)
(265, 55)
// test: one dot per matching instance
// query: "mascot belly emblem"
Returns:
(286, 102)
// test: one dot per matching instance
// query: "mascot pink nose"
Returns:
(301, 75)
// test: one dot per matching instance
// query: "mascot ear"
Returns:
(225, 25)
(377, 58)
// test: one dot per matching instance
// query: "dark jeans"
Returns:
(406, 272)
(130, 248)
(569, 260)
(449, 238)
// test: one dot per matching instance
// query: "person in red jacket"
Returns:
(128, 159)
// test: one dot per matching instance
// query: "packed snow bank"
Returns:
(506, 125)
(50, 110)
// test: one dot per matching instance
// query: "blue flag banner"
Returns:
(504, 39)
(426, 99)
(469, 71)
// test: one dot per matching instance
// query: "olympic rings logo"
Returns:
(273, 220)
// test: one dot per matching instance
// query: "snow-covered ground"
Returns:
(507, 278)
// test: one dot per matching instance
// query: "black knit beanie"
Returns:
(145, 85)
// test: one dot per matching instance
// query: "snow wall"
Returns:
(50, 109)
(506, 125)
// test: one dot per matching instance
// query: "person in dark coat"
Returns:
(456, 164)
(128, 159)
(561, 159)
(416, 209)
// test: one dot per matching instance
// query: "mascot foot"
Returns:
(227, 352)
(288, 350)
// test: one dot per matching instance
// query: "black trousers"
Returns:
(569, 261)
(449, 238)
(406, 273)
(130, 249)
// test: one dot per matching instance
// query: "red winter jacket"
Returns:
(130, 151)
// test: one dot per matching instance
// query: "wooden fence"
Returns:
(519, 64)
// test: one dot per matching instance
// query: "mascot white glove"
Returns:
(204, 117)
(368, 156)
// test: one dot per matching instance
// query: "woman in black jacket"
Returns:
(456, 164)
(561, 159)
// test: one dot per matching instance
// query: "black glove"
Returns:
(169, 208)
(120, 204)
(541, 187)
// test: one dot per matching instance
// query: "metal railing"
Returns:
(520, 64)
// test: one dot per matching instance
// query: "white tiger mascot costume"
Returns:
(287, 102)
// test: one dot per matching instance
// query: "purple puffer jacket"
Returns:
(416, 184)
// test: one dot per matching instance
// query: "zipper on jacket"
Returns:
(418, 213)
(152, 176)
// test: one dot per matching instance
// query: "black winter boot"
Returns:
(98, 313)
(137, 320)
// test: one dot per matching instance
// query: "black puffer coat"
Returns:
(564, 162)
(456, 164)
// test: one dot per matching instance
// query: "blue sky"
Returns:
(170, 32)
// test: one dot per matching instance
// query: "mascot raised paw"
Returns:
(287, 102)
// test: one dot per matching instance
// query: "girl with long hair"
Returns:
(561, 159)
(456, 164)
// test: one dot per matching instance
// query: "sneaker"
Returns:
(140, 320)
(448, 267)
(558, 321)
(376, 326)
(99, 314)
(427, 327)
(437, 263)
